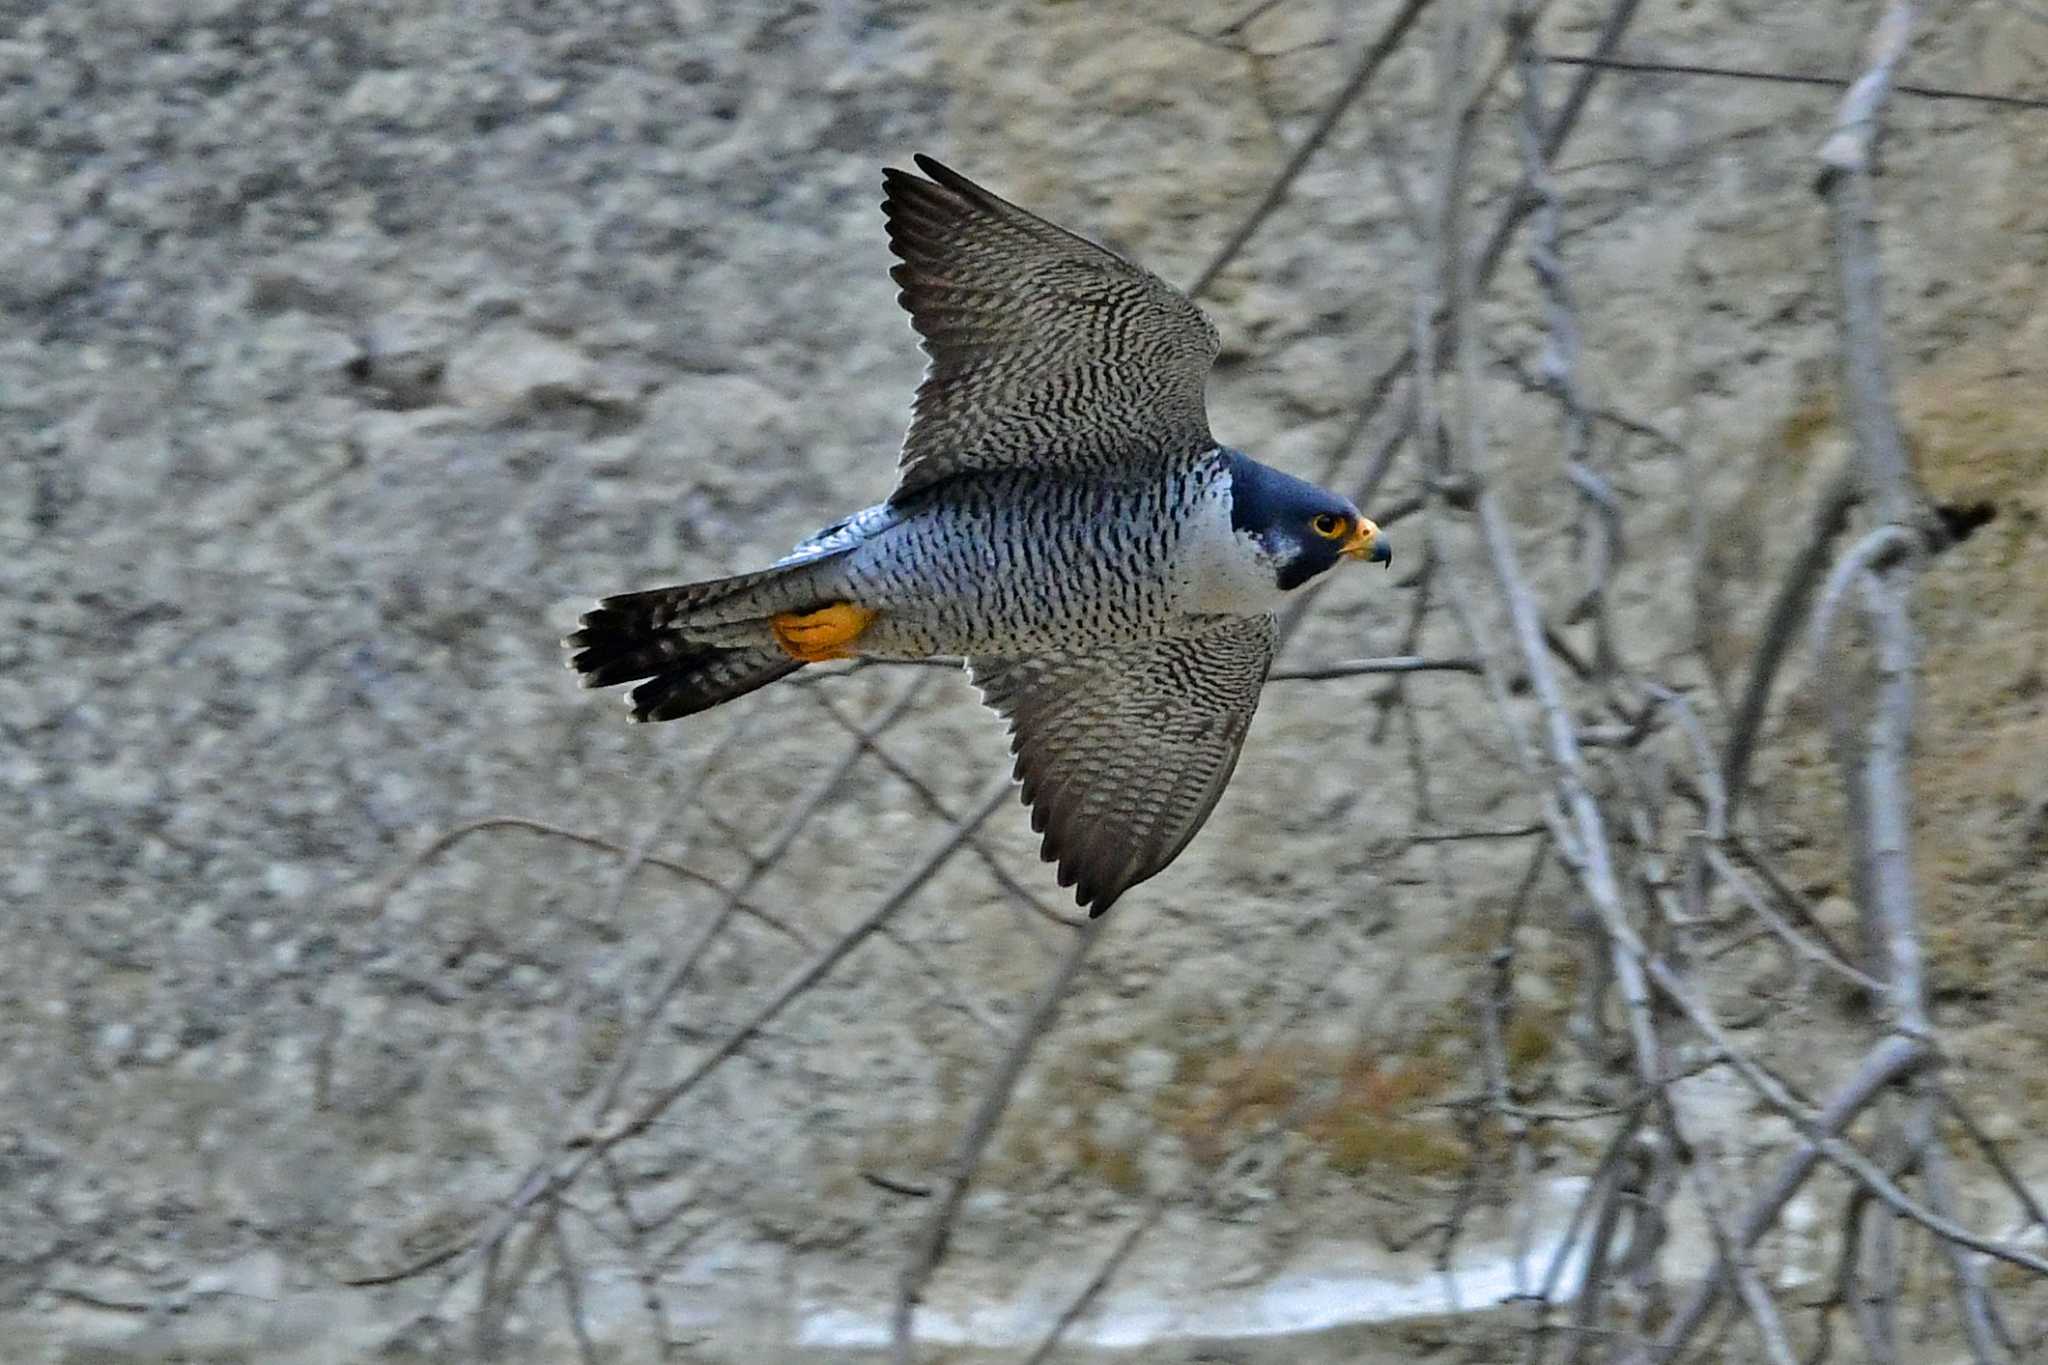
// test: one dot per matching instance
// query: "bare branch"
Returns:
(966, 1156)
(1468, 835)
(1155, 1208)
(2037, 1216)
(1891, 1060)
(449, 838)
(1560, 366)
(554, 1174)
(938, 806)
(1781, 627)
(1982, 1327)
(636, 1252)
(800, 980)
(1851, 147)
(1870, 552)
(1743, 73)
(1799, 943)
(572, 1291)
(1357, 668)
(1748, 1286)
(684, 963)
(1375, 56)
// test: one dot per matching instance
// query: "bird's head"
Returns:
(1299, 530)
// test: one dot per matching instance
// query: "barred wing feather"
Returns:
(1123, 753)
(1046, 349)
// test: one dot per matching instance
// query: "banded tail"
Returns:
(630, 638)
(699, 645)
(646, 635)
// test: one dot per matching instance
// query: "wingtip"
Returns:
(1090, 895)
(937, 171)
(945, 177)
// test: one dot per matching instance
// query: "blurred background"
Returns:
(371, 993)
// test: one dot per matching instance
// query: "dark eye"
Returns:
(1328, 525)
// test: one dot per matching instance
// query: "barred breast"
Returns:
(1005, 563)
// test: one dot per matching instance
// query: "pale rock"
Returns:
(1147, 1068)
(391, 94)
(2001, 1126)
(1837, 915)
(123, 782)
(509, 368)
(289, 881)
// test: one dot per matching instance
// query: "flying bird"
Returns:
(1062, 518)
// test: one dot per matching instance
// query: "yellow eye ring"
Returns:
(1329, 525)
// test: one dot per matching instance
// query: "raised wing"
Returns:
(1046, 350)
(1123, 753)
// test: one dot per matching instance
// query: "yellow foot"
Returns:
(827, 633)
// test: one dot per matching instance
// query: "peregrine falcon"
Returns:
(1062, 518)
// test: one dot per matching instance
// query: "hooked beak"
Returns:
(1368, 544)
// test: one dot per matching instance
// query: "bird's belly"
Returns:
(991, 588)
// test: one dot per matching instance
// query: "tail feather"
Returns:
(659, 635)
(634, 636)
(670, 607)
(711, 678)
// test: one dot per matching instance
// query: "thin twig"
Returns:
(449, 838)
(1891, 1060)
(1356, 668)
(1460, 836)
(636, 1254)
(1749, 1287)
(932, 1237)
(1982, 1326)
(784, 838)
(1744, 73)
(2037, 1216)
(1598, 1192)
(572, 1291)
(1496, 1007)
(1781, 628)
(554, 1174)
(1560, 366)
(804, 977)
(1155, 1208)
(1799, 943)
(1369, 63)
(938, 806)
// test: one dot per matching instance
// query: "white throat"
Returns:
(1226, 571)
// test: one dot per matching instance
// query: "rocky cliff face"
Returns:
(350, 349)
